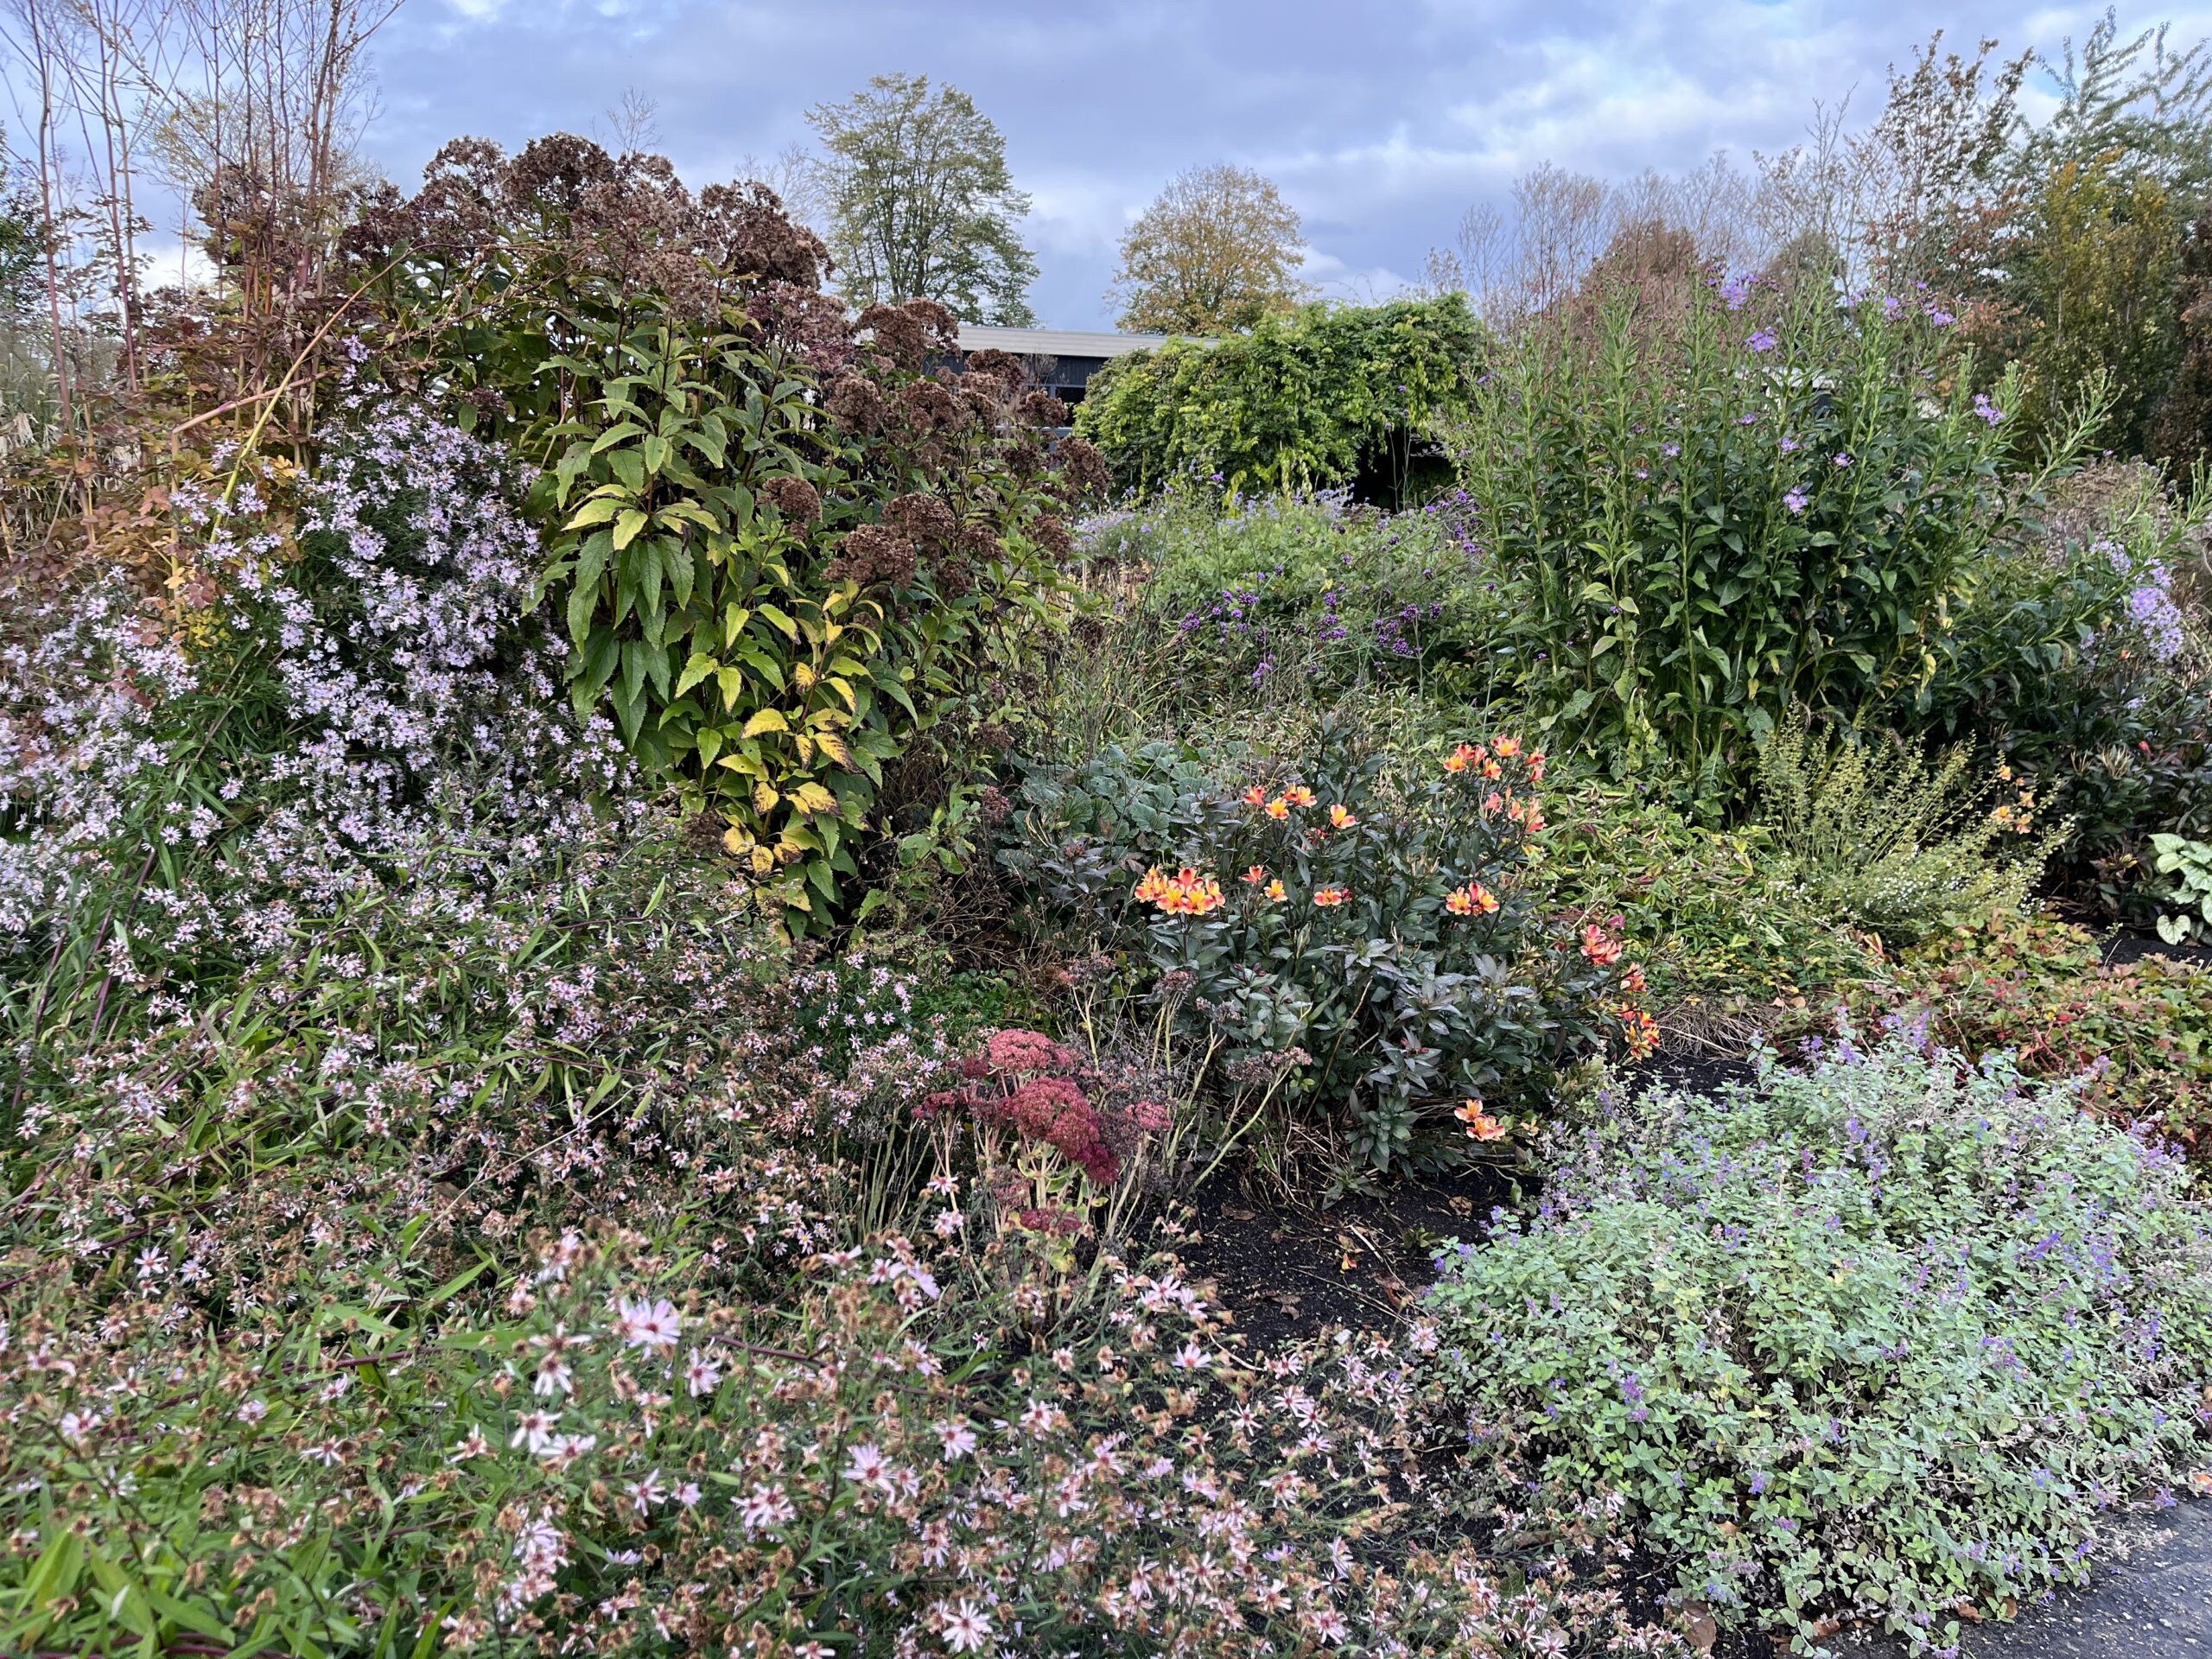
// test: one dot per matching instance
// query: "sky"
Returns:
(1380, 122)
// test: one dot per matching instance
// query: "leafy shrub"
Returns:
(1727, 931)
(1377, 934)
(1697, 531)
(2079, 662)
(1892, 841)
(311, 710)
(784, 553)
(1878, 1340)
(2139, 1034)
(1300, 595)
(1301, 403)
(2189, 866)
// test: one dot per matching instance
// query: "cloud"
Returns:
(1381, 119)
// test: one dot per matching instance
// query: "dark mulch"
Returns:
(1288, 1271)
(2124, 946)
(1292, 1271)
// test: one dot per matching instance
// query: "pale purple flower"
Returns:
(1795, 501)
(1761, 341)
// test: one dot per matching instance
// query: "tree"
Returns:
(920, 203)
(1215, 253)
(2181, 432)
(2092, 294)
(1325, 397)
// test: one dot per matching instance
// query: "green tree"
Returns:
(2181, 432)
(2139, 99)
(1327, 396)
(2091, 294)
(1217, 251)
(921, 205)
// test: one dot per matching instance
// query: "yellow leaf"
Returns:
(768, 720)
(812, 798)
(737, 840)
(763, 860)
(805, 674)
(764, 798)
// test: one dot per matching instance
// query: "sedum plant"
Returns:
(1896, 842)
(1890, 1338)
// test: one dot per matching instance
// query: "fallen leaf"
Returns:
(1704, 1629)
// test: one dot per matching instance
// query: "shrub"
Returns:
(2079, 663)
(1729, 934)
(1885, 1339)
(1378, 934)
(1296, 596)
(784, 550)
(1306, 401)
(2139, 1034)
(1697, 529)
(1893, 842)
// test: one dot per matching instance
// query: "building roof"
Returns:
(1054, 342)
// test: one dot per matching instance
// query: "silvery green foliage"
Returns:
(1867, 1340)
(381, 697)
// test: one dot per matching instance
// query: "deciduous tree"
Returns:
(1218, 251)
(920, 203)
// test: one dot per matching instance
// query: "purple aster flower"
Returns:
(1761, 341)
(1987, 411)
(1794, 501)
(1843, 458)
(1790, 445)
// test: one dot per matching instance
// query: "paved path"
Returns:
(2152, 1602)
